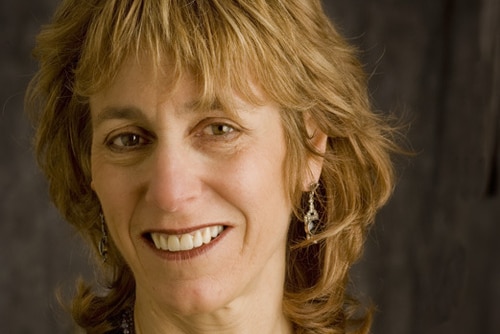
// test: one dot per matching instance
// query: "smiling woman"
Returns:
(220, 156)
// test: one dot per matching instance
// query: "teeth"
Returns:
(214, 231)
(197, 239)
(156, 239)
(206, 235)
(184, 242)
(163, 242)
(187, 242)
(174, 244)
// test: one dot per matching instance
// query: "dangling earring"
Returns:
(103, 244)
(311, 217)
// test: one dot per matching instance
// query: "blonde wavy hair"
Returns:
(298, 59)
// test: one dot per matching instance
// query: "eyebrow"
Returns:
(126, 113)
(193, 105)
(134, 113)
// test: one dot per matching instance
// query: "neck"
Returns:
(241, 320)
(257, 311)
(232, 324)
(229, 304)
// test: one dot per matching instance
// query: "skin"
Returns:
(158, 165)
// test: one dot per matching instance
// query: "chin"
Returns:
(196, 299)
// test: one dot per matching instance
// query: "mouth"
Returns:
(187, 241)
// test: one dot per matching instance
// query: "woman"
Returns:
(219, 155)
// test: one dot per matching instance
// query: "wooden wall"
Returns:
(432, 260)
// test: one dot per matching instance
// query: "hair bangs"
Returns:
(282, 51)
(229, 55)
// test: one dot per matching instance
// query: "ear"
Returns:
(318, 139)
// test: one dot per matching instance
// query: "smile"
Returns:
(188, 241)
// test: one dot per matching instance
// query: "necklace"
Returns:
(127, 324)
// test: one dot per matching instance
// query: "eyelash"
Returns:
(135, 140)
(130, 140)
(226, 129)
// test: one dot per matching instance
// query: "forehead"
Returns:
(160, 80)
(222, 46)
(137, 77)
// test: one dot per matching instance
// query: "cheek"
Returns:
(117, 203)
(113, 188)
(255, 182)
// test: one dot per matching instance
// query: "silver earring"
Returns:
(103, 244)
(311, 217)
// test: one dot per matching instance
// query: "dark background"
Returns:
(432, 260)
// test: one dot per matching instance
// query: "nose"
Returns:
(173, 179)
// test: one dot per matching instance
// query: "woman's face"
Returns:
(194, 200)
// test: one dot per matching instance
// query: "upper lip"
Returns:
(183, 230)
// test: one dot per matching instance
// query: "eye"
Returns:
(129, 140)
(218, 129)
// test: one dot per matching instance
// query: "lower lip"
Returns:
(189, 254)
